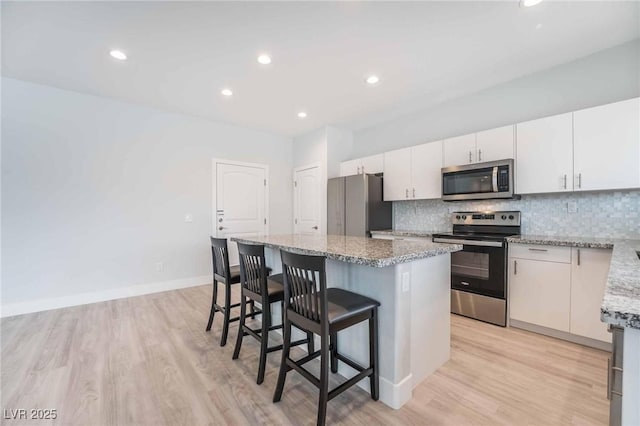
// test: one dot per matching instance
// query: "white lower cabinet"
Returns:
(540, 292)
(560, 288)
(589, 270)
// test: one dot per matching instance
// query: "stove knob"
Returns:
(511, 217)
(504, 217)
(464, 217)
(458, 217)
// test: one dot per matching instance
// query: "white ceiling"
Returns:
(182, 53)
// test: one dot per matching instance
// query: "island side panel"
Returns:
(430, 315)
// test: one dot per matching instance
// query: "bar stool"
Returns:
(228, 276)
(257, 287)
(311, 306)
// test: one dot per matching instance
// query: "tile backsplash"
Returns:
(612, 214)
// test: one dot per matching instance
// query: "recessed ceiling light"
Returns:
(118, 54)
(264, 59)
(372, 79)
(529, 3)
(226, 92)
(302, 114)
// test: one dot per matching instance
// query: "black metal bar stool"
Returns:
(311, 306)
(257, 287)
(228, 276)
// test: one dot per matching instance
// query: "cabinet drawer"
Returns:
(539, 252)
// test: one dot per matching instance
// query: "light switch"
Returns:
(188, 218)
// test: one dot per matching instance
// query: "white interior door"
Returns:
(240, 202)
(306, 200)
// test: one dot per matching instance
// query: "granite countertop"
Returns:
(363, 251)
(399, 233)
(621, 302)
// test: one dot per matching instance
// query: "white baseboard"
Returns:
(13, 309)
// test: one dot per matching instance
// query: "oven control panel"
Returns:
(507, 218)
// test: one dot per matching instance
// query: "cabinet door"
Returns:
(372, 164)
(539, 292)
(426, 175)
(350, 168)
(397, 174)
(607, 146)
(544, 159)
(589, 269)
(495, 144)
(460, 150)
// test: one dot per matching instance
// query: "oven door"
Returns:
(480, 270)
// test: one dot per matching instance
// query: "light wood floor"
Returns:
(148, 360)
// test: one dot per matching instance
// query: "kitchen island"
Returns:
(412, 282)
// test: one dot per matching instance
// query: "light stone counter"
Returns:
(360, 250)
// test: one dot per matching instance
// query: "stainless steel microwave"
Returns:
(480, 181)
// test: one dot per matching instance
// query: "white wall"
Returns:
(94, 193)
(607, 76)
(339, 148)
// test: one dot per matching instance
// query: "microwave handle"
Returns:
(495, 179)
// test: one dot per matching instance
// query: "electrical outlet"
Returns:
(188, 218)
(160, 267)
(572, 207)
(406, 282)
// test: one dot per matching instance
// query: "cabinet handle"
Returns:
(414, 193)
(220, 228)
(578, 257)
(406, 193)
(536, 249)
(515, 267)
(358, 169)
(479, 155)
(565, 181)
(470, 156)
(579, 180)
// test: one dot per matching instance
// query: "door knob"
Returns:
(220, 228)
(315, 227)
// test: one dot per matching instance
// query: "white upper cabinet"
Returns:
(372, 164)
(426, 165)
(495, 144)
(544, 160)
(350, 168)
(397, 174)
(607, 146)
(460, 150)
(413, 173)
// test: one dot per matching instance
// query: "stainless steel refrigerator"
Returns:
(355, 206)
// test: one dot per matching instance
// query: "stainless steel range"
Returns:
(479, 271)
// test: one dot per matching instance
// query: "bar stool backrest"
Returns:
(253, 269)
(305, 286)
(220, 258)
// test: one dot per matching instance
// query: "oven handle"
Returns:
(468, 242)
